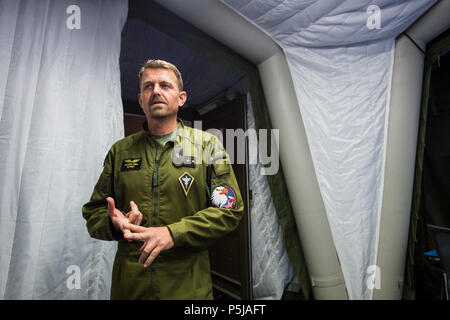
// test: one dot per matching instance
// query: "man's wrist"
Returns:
(171, 236)
(175, 234)
(115, 232)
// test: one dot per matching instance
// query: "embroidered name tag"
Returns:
(131, 164)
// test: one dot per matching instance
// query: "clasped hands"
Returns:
(156, 239)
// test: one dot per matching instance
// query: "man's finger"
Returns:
(137, 234)
(139, 220)
(111, 207)
(135, 228)
(148, 253)
(134, 207)
(133, 236)
(134, 218)
(126, 234)
(145, 252)
(131, 216)
(151, 257)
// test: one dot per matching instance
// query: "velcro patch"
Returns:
(189, 161)
(179, 160)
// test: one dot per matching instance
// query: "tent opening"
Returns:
(431, 204)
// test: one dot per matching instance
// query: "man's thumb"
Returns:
(111, 206)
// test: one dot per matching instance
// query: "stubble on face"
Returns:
(158, 108)
(160, 96)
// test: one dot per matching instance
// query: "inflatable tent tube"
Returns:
(310, 215)
(403, 127)
(226, 26)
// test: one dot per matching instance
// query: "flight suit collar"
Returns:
(181, 132)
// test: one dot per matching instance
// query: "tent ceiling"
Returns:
(203, 79)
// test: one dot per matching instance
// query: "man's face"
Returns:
(160, 97)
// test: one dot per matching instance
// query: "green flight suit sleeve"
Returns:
(211, 223)
(98, 223)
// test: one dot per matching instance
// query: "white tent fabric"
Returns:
(60, 109)
(340, 54)
(272, 270)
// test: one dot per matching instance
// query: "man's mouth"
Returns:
(157, 102)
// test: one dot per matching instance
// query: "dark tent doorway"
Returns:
(431, 200)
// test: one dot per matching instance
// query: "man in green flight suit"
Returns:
(180, 193)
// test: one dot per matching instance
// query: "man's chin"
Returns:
(158, 116)
(161, 115)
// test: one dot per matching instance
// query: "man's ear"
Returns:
(183, 98)
(140, 99)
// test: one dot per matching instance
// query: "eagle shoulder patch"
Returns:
(224, 196)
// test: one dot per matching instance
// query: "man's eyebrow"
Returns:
(162, 82)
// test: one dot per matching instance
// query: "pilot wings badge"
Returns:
(131, 164)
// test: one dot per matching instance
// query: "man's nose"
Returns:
(156, 90)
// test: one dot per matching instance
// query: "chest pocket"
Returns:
(129, 174)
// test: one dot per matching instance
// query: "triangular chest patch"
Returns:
(186, 181)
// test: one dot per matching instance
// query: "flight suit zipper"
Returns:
(155, 214)
(155, 223)
(155, 189)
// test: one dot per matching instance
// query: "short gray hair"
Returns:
(155, 64)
